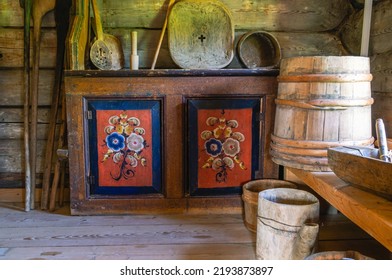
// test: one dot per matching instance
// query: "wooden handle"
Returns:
(98, 23)
(171, 2)
(382, 140)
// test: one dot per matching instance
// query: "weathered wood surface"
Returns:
(381, 67)
(287, 15)
(292, 44)
(370, 212)
(11, 89)
(58, 236)
(11, 47)
(361, 166)
(304, 15)
(11, 155)
(380, 32)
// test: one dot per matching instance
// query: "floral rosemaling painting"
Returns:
(125, 144)
(222, 144)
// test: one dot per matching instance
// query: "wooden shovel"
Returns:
(26, 4)
(61, 15)
(40, 9)
(106, 52)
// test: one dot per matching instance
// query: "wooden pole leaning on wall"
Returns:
(61, 15)
(169, 6)
(40, 9)
(26, 4)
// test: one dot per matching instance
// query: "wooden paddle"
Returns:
(169, 6)
(40, 9)
(26, 4)
(106, 52)
(61, 16)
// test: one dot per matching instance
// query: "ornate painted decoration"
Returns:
(223, 146)
(125, 146)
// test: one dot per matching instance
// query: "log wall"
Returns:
(304, 27)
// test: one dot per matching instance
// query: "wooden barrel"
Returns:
(250, 196)
(322, 102)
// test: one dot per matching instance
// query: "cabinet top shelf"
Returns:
(174, 72)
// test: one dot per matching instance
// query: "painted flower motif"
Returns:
(132, 161)
(213, 147)
(231, 147)
(117, 157)
(135, 142)
(115, 141)
(228, 161)
(217, 164)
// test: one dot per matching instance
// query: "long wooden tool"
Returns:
(106, 52)
(57, 166)
(169, 6)
(382, 141)
(26, 4)
(40, 9)
(61, 15)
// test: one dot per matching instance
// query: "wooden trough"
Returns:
(362, 167)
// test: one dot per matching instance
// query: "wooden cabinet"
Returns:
(167, 140)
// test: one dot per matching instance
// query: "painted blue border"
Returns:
(155, 106)
(195, 104)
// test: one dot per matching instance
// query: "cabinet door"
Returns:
(223, 144)
(124, 146)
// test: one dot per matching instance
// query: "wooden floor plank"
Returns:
(139, 252)
(59, 236)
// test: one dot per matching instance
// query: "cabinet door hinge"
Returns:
(91, 180)
(260, 117)
(89, 115)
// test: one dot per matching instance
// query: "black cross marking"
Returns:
(201, 38)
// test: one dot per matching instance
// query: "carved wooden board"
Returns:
(201, 35)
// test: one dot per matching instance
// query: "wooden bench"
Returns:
(370, 212)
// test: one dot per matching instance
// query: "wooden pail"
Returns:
(338, 255)
(250, 196)
(322, 102)
(287, 224)
(259, 49)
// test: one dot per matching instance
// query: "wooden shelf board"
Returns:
(370, 212)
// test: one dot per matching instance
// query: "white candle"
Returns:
(134, 56)
(134, 42)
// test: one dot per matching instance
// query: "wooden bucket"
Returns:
(259, 49)
(250, 196)
(322, 102)
(286, 224)
(338, 255)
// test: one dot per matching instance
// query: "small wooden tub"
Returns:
(250, 196)
(322, 102)
(338, 255)
(259, 49)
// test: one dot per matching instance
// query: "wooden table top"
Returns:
(370, 212)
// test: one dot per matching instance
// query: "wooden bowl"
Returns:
(259, 49)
